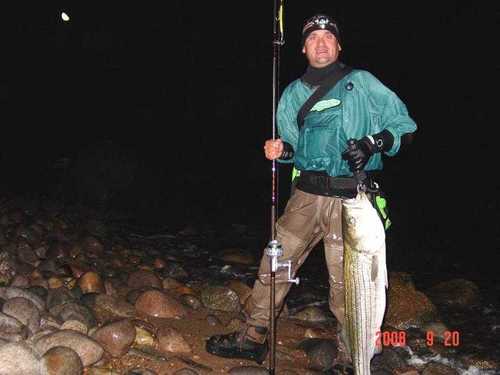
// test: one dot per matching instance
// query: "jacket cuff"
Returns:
(288, 151)
(382, 141)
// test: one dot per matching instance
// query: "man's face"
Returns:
(321, 48)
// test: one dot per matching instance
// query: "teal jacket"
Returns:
(357, 106)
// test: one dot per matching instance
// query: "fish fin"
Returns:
(374, 267)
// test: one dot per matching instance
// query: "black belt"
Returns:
(320, 183)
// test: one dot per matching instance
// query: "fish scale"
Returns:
(365, 278)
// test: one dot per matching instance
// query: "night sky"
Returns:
(183, 91)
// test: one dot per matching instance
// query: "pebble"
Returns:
(23, 310)
(171, 341)
(88, 349)
(61, 360)
(116, 338)
(18, 359)
(160, 305)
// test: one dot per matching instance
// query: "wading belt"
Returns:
(320, 183)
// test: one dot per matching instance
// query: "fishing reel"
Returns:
(274, 250)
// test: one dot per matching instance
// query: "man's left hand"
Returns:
(358, 156)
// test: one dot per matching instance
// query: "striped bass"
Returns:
(365, 279)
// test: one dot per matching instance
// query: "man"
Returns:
(358, 107)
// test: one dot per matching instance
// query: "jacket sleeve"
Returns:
(392, 111)
(286, 118)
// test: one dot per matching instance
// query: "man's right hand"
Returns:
(273, 149)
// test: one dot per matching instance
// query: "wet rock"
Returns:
(175, 271)
(159, 263)
(419, 345)
(55, 282)
(43, 332)
(407, 307)
(18, 359)
(389, 360)
(144, 337)
(170, 283)
(144, 278)
(91, 282)
(32, 237)
(437, 328)
(77, 270)
(92, 247)
(237, 256)
(7, 268)
(458, 293)
(321, 353)
(242, 290)
(235, 324)
(381, 372)
(89, 299)
(311, 314)
(74, 311)
(39, 291)
(75, 325)
(56, 250)
(481, 361)
(406, 370)
(110, 288)
(23, 310)
(135, 293)
(12, 292)
(313, 333)
(171, 341)
(213, 321)
(61, 360)
(39, 282)
(101, 371)
(114, 306)
(248, 370)
(41, 251)
(141, 371)
(88, 349)
(26, 254)
(20, 281)
(59, 296)
(185, 371)
(220, 298)
(435, 368)
(12, 329)
(116, 338)
(191, 301)
(47, 320)
(160, 305)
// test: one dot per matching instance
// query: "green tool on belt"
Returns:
(380, 204)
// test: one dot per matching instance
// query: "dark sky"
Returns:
(187, 86)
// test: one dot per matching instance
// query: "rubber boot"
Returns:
(250, 343)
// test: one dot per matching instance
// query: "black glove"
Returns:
(360, 152)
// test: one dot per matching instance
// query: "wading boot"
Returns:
(249, 343)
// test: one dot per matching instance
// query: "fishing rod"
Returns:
(278, 41)
(274, 249)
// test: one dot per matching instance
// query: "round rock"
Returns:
(160, 305)
(61, 360)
